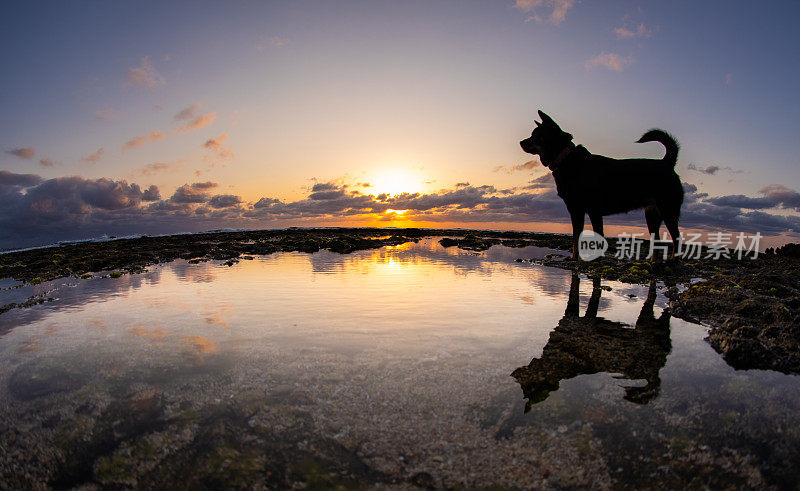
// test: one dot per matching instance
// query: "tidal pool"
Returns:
(412, 365)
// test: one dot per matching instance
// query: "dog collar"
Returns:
(562, 156)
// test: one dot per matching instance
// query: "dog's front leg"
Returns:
(597, 223)
(577, 227)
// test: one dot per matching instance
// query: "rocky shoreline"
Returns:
(751, 305)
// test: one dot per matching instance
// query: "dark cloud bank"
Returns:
(40, 211)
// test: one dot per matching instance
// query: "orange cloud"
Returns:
(612, 61)
(558, 14)
(197, 123)
(640, 31)
(23, 153)
(215, 143)
(157, 167)
(144, 75)
(217, 147)
(93, 158)
(139, 140)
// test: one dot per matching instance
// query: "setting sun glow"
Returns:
(395, 181)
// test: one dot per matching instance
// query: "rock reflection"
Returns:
(591, 344)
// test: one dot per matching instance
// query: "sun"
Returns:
(395, 181)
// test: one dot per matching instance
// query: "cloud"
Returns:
(728, 78)
(557, 15)
(144, 76)
(155, 168)
(22, 152)
(193, 193)
(188, 113)
(47, 162)
(93, 158)
(151, 194)
(139, 140)
(224, 201)
(783, 196)
(712, 169)
(542, 182)
(215, 145)
(8, 178)
(527, 166)
(640, 31)
(40, 211)
(742, 201)
(612, 61)
(197, 123)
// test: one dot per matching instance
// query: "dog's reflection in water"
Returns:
(591, 344)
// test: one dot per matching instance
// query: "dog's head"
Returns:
(547, 140)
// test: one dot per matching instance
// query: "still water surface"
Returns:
(391, 365)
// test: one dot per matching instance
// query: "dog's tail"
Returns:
(664, 138)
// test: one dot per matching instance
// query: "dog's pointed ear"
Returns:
(547, 120)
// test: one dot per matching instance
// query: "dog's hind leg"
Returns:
(578, 218)
(597, 223)
(653, 218)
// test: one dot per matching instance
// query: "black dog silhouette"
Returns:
(591, 344)
(600, 186)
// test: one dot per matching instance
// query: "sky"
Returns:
(159, 117)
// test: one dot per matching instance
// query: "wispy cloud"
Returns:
(640, 31)
(140, 140)
(23, 152)
(197, 123)
(712, 169)
(144, 76)
(158, 167)
(612, 61)
(216, 145)
(557, 15)
(93, 158)
(190, 112)
(527, 166)
(47, 162)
